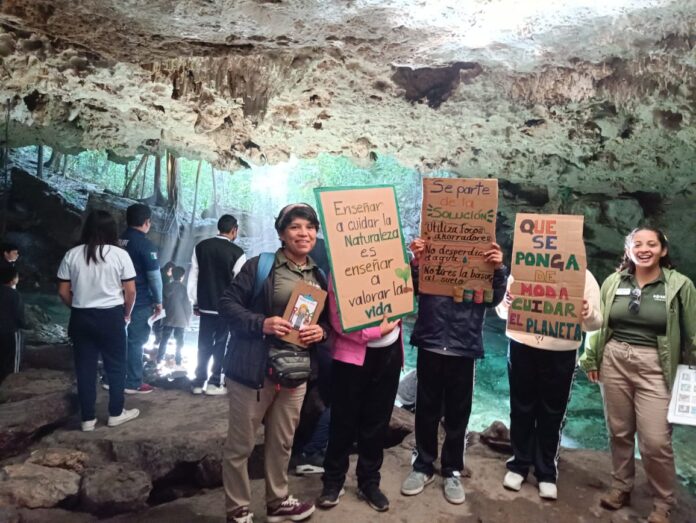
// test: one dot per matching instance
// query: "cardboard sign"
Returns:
(458, 224)
(682, 406)
(369, 265)
(303, 309)
(548, 266)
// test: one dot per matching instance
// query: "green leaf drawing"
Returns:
(404, 273)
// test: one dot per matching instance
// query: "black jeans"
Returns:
(165, 333)
(94, 332)
(212, 340)
(540, 384)
(442, 381)
(362, 400)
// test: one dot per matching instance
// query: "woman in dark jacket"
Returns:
(254, 304)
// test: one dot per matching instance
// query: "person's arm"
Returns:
(591, 311)
(192, 284)
(129, 298)
(65, 292)
(504, 306)
(687, 298)
(588, 360)
(154, 283)
(494, 256)
(236, 300)
(417, 248)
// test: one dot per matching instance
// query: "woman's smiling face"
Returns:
(645, 249)
(299, 237)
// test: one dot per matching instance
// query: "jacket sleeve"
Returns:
(687, 297)
(499, 285)
(415, 271)
(502, 308)
(235, 303)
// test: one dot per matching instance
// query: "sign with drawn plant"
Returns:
(458, 226)
(369, 265)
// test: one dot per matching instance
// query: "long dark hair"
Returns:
(99, 230)
(627, 264)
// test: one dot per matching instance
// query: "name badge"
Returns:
(623, 292)
(659, 297)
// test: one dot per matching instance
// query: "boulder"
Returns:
(64, 458)
(35, 382)
(53, 515)
(57, 357)
(114, 488)
(43, 327)
(401, 424)
(22, 421)
(9, 515)
(497, 437)
(176, 434)
(34, 486)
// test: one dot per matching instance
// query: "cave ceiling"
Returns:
(593, 94)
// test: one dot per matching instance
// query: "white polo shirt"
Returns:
(96, 285)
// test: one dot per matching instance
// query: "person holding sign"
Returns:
(448, 334)
(648, 319)
(364, 378)
(254, 305)
(541, 371)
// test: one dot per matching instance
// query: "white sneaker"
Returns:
(126, 415)
(196, 390)
(88, 426)
(214, 390)
(513, 481)
(548, 490)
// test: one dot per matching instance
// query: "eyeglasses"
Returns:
(634, 304)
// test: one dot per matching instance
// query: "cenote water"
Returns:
(585, 427)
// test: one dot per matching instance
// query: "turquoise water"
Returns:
(585, 427)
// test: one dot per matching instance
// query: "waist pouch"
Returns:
(289, 368)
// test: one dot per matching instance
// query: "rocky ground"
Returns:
(165, 466)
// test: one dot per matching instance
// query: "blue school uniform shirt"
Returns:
(143, 253)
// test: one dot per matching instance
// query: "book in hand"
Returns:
(303, 309)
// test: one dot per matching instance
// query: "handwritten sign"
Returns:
(548, 267)
(370, 269)
(458, 224)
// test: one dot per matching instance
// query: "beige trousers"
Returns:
(636, 399)
(279, 410)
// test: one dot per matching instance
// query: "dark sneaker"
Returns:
(329, 497)
(143, 389)
(310, 464)
(374, 497)
(615, 499)
(290, 509)
(241, 515)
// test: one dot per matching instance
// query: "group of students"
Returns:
(642, 323)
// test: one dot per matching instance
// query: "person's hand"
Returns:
(127, 318)
(494, 255)
(196, 310)
(417, 247)
(387, 326)
(276, 326)
(593, 376)
(586, 309)
(157, 308)
(311, 334)
(508, 299)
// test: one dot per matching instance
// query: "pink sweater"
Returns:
(351, 347)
